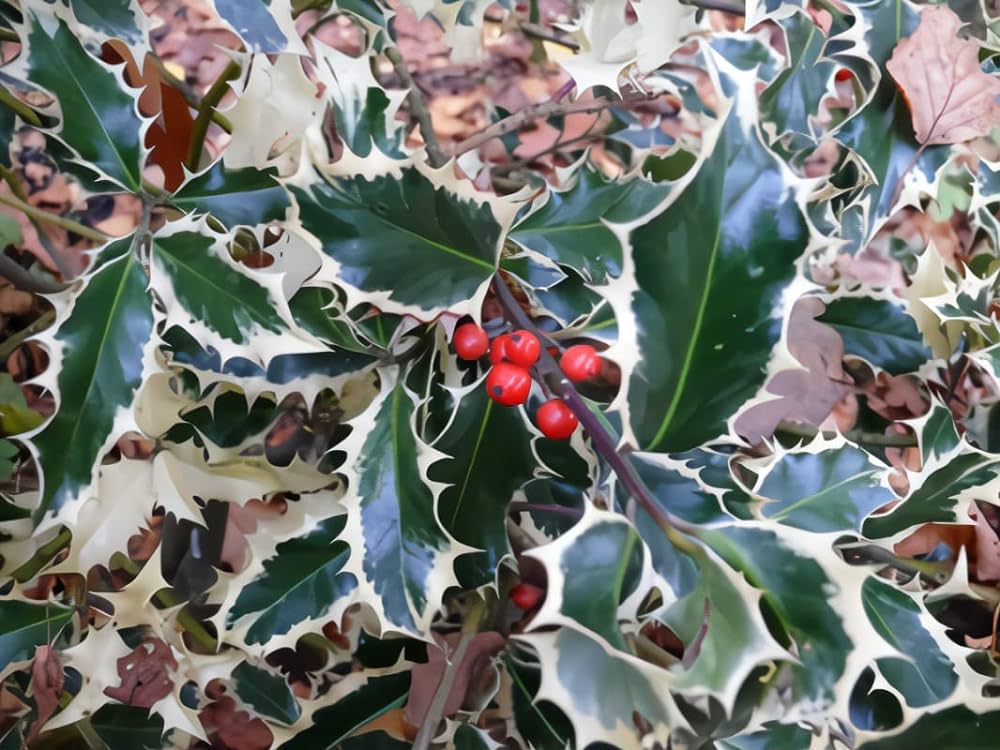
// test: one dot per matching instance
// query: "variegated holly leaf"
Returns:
(122, 19)
(314, 308)
(540, 723)
(724, 249)
(303, 580)
(569, 226)
(265, 692)
(473, 506)
(122, 727)
(922, 673)
(936, 499)
(793, 99)
(406, 240)
(263, 25)
(879, 331)
(403, 558)
(235, 197)
(773, 736)
(936, 432)
(957, 726)
(98, 348)
(824, 488)
(25, 625)
(100, 119)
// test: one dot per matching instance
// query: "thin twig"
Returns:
(51, 218)
(189, 94)
(208, 104)
(26, 113)
(43, 556)
(24, 280)
(15, 340)
(797, 429)
(417, 108)
(518, 506)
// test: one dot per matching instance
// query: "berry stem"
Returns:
(604, 442)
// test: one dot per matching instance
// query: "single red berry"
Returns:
(470, 341)
(580, 362)
(508, 384)
(522, 348)
(556, 420)
(498, 350)
(844, 74)
(526, 596)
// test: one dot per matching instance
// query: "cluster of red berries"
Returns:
(509, 381)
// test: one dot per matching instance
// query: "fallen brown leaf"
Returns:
(145, 674)
(47, 680)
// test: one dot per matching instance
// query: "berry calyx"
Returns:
(526, 597)
(522, 348)
(556, 420)
(470, 341)
(508, 384)
(498, 351)
(580, 362)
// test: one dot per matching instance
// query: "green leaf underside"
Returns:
(301, 581)
(923, 674)
(798, 590)
(878, 331)
(404, 235)
(100, 120)
(934, 500)
(115, 18)
(212, 289)
(266, 693)
(833, 490)
(570, 226)
(252, 20)
(245, 196)
(101, 369)
(710, 271)
(334, 723)
(24, 625)
(402, 540)
(473, 508)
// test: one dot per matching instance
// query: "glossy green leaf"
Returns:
(468, 737)
(879, 332)
(569, 226)
(266, 693)
(402, 540)
(334, 723)
(122, 19)
(473, 508)
(406, 236)
(774, 737)
(102, 342)
(255, 24)
(302, 580)
(235, 197)
(923, 674)
(229, 421)
(312, 308)
(831, 490)
(958, 727)
(721, 253)
(793, 98)
(937, 433)
(100, 120)
(539, 722)
(24, 625)
(123, 727)
(935, 499)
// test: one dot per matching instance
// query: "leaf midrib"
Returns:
(825, 492)
(472, 460)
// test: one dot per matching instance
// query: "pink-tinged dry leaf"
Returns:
(951, 99)
(145, 674)
(231, 728)
(987, 557)
(47, 680)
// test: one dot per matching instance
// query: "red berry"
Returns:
(498, 351)
(580, 362)
(522, 348)
(555, 419)
(470, 341)
(844, 74)
(508, 384)
(526, 596)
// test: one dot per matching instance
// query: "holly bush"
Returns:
(358, 441)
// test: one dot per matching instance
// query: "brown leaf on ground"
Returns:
(47, 680)
(951, 99)
(230, 728)
(472, 673)
(145, 674)
(987, 557)
(931, 535)
(895, 397)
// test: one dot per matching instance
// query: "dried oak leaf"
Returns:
(47, 681)
(145, 674)
(951, 99)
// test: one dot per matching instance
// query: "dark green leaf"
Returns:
(301, 581)
(128, 727)
(24, 625)
(252, 20)
(773, 737)
(123, 19)
(229, 421)
(539, 722)
(102, 363)
(878, 331)
(405, 235)
(266, 693)
(245, 196)
(312, 308)
(955, 727)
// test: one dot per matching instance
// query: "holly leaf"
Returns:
(957, 726)
(722, 250)
(123, 727)
(951, 99)
(266, 693)
(99, 349)
(302, 581)
(264, 26)
(879, 331)
(570, 225)
(246, 196)
(100, 119)
(122, 19)
(25, 625)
